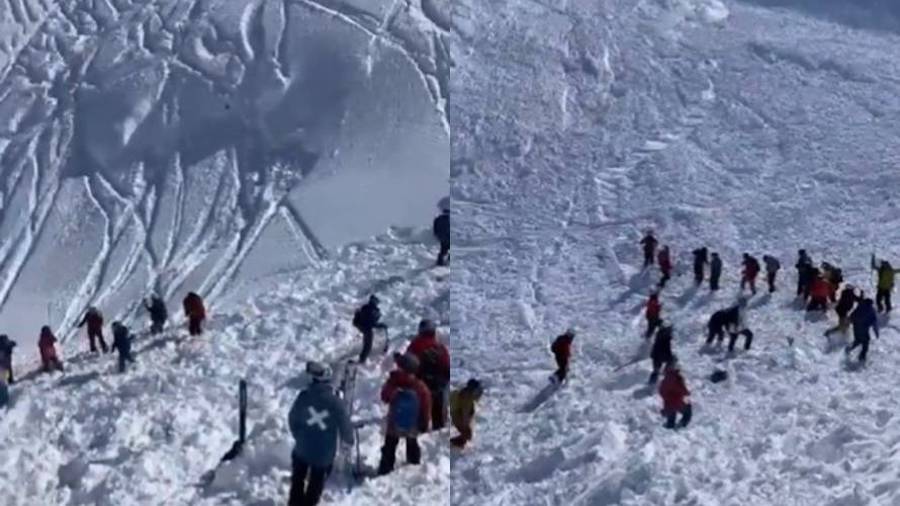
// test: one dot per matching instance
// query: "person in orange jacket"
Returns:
(195, 312)
(675, 396)
(818, 295)
(47, 346)
(654, 308)
(434, 369)
(409, 412)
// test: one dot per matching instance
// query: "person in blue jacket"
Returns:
(122, 343)
(316, 420)
(863, 318)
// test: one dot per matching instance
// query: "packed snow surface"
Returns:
(744, 125)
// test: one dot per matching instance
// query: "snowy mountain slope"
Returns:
(207, 145)
(93, 436)
(575, 126)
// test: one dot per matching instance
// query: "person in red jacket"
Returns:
(675, 396)
(195, 312)
(94, 320)
(751, 270)
(47, 346)
(665, 266)
(562, 352)
(654, 308)
(434, 369)
(818, 295)
(400, 380)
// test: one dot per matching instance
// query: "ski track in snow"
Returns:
(721, 124)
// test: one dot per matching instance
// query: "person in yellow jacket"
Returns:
(886, 274)
(462, 411)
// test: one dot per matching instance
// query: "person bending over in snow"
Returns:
(47, 345)
(675, 396)
(654, 308)
(441, 229)
(729, 320)
(562, 352)
(649, 246)
(701, 258)
(715, 272)
(434, 369)
(885, 284)
(462, 411)
(195, 312)
(772, 267)
(804, 274)
(6, 351)
(409, 411)
(844, 306)
(864, 318)
(94, 321)
(122, 343)
(316, 420)
(662, 350)
(665, 266)
(818, 294)
(158, 313)
(751, 270)
(366, 319)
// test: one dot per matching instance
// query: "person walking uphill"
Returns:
(434, 369)
(864, 318)
(122, 342)
(654, 308)
(366, 319)
(409, 411)
(462, 411)
(441, 229)
(661, 353)
(772, 266)
(6, 352)
(648, 244)
(751, 270)
(94, 321)
(701, 258)
(562, 352)
(665, 266)
(675, 396)
(885, 284)
(715, 272)
(158, 314)
(316, 420)
(47, 346)
(195, 312)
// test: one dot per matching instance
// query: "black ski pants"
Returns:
(883, 300)
(649, 258)
(94, 336)
(714, 281)
(303, 494)
(652, 325)
(748, 340)
(686, 415)
(438, 408)
(698, 274)
(389, 453)
(124, 358)
(562, 367)
(770, 278)
(442, 254)
(818, 304)
(715, 332)
(195, 326)
(368, 336)
(860, 339)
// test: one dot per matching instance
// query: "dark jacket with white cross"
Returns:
(316, 420)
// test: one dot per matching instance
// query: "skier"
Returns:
(715, 272)
(843, 308)
(122, 342)
(729, 320)
(47, 346)
(441, 229)
(751, 270)
(675, 396)
(434, 369)
(462, 411)
(158, 313)
(804, 274)
(94, 320)
(195, 312)
(562, 352)
(662, 350)
(665, 266)
(409, 412)
(316, 419)
(366, 319)
(6, 351)
(819, 293)
(701, 258)
(772, 267)
(652, 313)
(864, 317)
(885, 284)
(649, 245)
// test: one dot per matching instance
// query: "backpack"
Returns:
(357, 319)
(405, 413)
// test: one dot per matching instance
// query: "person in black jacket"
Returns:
(701, 258)
(729, 320)
(804, 274)
(661, 353)
(122, 342)
(844, 307)
(441, 229)
(715, 272)
(368, 318)
(158, 313)
(648, 244)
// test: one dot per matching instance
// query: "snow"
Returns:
(746, 126)
(283, 159)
